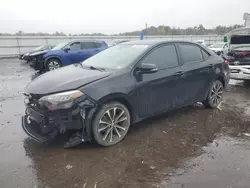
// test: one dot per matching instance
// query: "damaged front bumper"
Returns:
(31, 128)
(37, 63)
(43, 126)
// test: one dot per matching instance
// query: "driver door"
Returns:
(73, 55)
(162, 90)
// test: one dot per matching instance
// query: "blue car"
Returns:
(68, 53)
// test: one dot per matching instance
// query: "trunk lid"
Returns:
(239, 50)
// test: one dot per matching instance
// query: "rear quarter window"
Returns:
(191, 53)
(205, 54)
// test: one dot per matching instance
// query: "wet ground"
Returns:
(189, 148)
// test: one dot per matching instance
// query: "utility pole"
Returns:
(146, 27)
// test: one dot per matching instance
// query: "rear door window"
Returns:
(191, 53)
(88, 45)
(164, 57)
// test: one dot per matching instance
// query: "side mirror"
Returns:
(66, 49)
(148, 68)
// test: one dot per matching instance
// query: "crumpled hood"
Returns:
(66, 78)
(53, 52)
(38, 53)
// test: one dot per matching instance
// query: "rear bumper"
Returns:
(238, 76)
(240, 72)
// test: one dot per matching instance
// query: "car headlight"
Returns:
(58, 101)
(26, 54)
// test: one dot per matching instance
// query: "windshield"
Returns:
(116, 57)
(244, 39)
(218, 45)
(60, 46)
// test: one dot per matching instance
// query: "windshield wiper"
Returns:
(95, 68)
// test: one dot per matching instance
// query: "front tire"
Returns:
(111, 123)
(214, 96)
(53, 64)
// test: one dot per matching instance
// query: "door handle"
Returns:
(180, 73)
(211, 65)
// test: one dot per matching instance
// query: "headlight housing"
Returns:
(58, 101)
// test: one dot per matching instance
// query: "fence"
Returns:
(15, 45)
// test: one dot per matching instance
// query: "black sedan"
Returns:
(100, 98)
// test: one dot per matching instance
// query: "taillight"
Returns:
(226, 62)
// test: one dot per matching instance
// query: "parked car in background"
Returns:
(68, 53)
(219, 48)
(28, 56)
(202, 42)
(115, 42)
(100, 98)
(239, 57)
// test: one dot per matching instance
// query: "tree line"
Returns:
(160, 30)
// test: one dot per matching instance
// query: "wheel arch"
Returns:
(52, 57)
(121, 98)
(222, 79)
(219, 77)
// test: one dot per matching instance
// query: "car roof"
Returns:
(156, 42)
(87, 40)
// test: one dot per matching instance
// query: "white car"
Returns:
(202, 42)
(219, 48)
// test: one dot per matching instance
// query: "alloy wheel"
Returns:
(52, 65)
(113, 125)
(216, 94)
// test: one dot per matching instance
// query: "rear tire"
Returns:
(214, 96)
(53, 64)
(111, 123)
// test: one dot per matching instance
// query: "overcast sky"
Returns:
(114, 16)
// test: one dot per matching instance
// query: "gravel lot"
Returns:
(188, 148)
